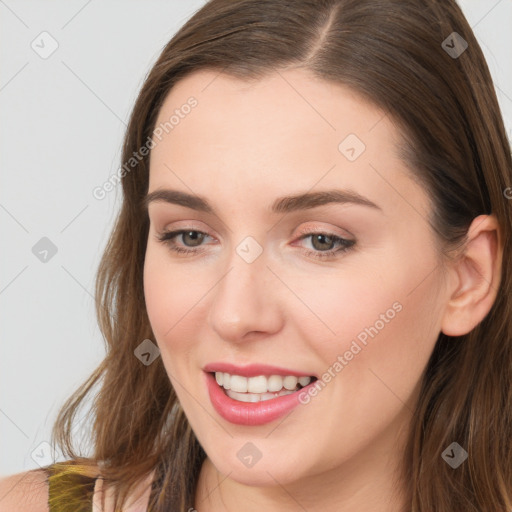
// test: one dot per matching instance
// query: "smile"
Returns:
(256, 394)
(261, 387)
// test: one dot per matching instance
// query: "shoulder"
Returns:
(63, 483)
(48, 488)
(27, 492)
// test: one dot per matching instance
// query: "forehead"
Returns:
(291, 102)
(284, 133)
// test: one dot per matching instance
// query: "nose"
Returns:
(245, 303)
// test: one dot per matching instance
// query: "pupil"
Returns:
(322, 239)
(195, 236)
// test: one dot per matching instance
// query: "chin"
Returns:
(275, 467)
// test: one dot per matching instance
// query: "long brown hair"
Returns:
(392, 53)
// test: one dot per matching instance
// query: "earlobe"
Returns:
(477, 277)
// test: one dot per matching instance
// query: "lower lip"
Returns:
(250, 413)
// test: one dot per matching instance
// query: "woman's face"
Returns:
(345, 287)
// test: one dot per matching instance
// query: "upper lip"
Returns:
(253, 370)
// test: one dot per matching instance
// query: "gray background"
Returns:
(62, 122)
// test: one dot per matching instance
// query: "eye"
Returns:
(190, 237)
(326, 245)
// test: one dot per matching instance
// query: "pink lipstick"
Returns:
(255, 408)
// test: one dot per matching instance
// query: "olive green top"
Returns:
(70, 487)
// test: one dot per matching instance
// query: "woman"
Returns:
(306, 296)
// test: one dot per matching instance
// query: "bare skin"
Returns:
(243, 146)
(28, 492)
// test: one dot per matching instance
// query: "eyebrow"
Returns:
(284, 204)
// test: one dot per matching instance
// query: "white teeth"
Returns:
(257, 384)
(242, 397)
(238, 383)
(290, 382)
(260, 385)
(255, 397)
(304, 381)
(275, 383)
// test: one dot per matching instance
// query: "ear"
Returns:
(477, 275)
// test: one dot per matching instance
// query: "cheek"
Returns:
(387, 319)
(172, 294)
(337, 307)
(383, 362)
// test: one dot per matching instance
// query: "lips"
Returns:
(252, 409)
(253, 370)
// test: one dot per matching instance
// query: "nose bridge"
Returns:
(243, 301)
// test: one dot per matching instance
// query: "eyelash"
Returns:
(345, 244)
